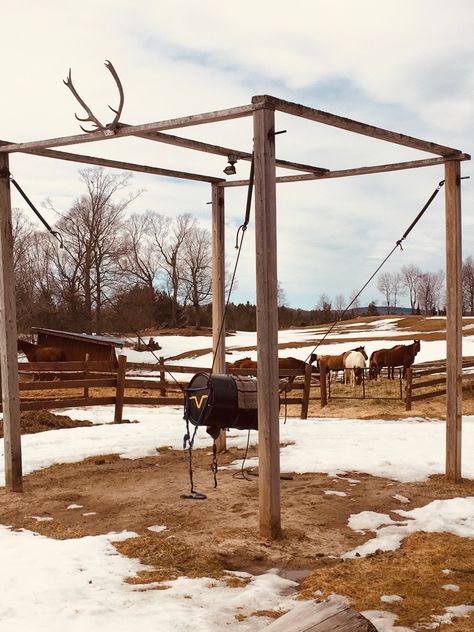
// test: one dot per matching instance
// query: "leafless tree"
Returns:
(468, 285)
(410, 275)
(169, 238)
(385, 287)
(397, 287)
(196, 268)
(140, 261)
(429, 291)
(339, 305)
(92, 239)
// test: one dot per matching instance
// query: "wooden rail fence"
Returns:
(431, 387)
(122, 377)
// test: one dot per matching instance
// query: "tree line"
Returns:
(114, 271)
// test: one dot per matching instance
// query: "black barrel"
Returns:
(222, 401)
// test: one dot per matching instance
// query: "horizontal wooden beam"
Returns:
(350, 125)
(117, 164)
(132, 130)
(224, 151)
(358, 171)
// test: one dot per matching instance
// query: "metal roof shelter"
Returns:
(77, 345)
(262, 110)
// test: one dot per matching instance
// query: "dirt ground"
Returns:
(205, 537)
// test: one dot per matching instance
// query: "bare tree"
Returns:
(385, 287)
(429, 291)
(196, 268)
(468, 285)
(140, 261)
(410, 275)
(92, 239)
(339, 305)
(397, 287)
(169, 238)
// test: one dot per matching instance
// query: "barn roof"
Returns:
(100, 340)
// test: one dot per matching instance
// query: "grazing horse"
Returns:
(36, 353)
(336, 363)
(283, 365)
(354, 365)
(400, 355)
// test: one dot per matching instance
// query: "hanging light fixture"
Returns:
(230, 169)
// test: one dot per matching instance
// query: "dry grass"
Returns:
(413, 572)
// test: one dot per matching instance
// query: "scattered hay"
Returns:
(414, 572)
(271, 614)
(170, 558)
(40, 420)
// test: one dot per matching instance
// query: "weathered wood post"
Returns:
(162, 377)
(8, 338)
(120, 388)
(267, 319)
(218, 289)
(323, 383)
(86, 375)
(308, 371)
(408, 389)
(453, 320)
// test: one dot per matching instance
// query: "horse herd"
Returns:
(352, 362)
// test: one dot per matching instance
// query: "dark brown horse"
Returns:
(37, 353)
(400, 355)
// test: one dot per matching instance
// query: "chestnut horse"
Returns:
(37, 353)
(283, 365)
(335, 363)
(400, 355)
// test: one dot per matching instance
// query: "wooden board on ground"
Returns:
(324, 616)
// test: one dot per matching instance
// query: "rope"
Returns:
(398, 244)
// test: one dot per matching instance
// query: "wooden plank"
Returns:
(408, 388)
(429, 395)
(97, 365)
(163, 377)
(149, 384)
(132, 130)
(323, 384)
(64, 384)
(153, 401)
(356, 171)
(218, 291)
(350, 125)
(453, 321)
(51, 404)
(327, 616)
(441, 380)
(8, 337)
(267, 325)
(119, 392)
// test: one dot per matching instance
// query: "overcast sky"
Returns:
(407, 66)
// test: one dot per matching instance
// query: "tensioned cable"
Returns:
(398, 244)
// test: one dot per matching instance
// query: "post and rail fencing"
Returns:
(418, 388)
(93, 383)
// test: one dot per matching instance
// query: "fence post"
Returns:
(86, 375)
(409, 378)
(120, 388)
(322, 383)
(308, 371)
(162, 376)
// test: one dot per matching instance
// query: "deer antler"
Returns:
(110, 127)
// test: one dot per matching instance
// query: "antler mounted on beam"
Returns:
(110, 128)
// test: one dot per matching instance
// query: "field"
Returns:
(366, 511)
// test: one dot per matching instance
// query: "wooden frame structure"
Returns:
(262, 108)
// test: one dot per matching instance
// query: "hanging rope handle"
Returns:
(398, 244)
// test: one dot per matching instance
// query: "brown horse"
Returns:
(336, 363)
(36, 353)
(284, 364)
(400, 355)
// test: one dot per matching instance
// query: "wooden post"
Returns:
(308, 371)
(8, 338)
(322, 383)
(120, 389)
(267, 323)
(408, 389)
(453, 321)
(86, 375)
(218, 289)
(162, 377)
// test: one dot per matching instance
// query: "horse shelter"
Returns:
(263, 109)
